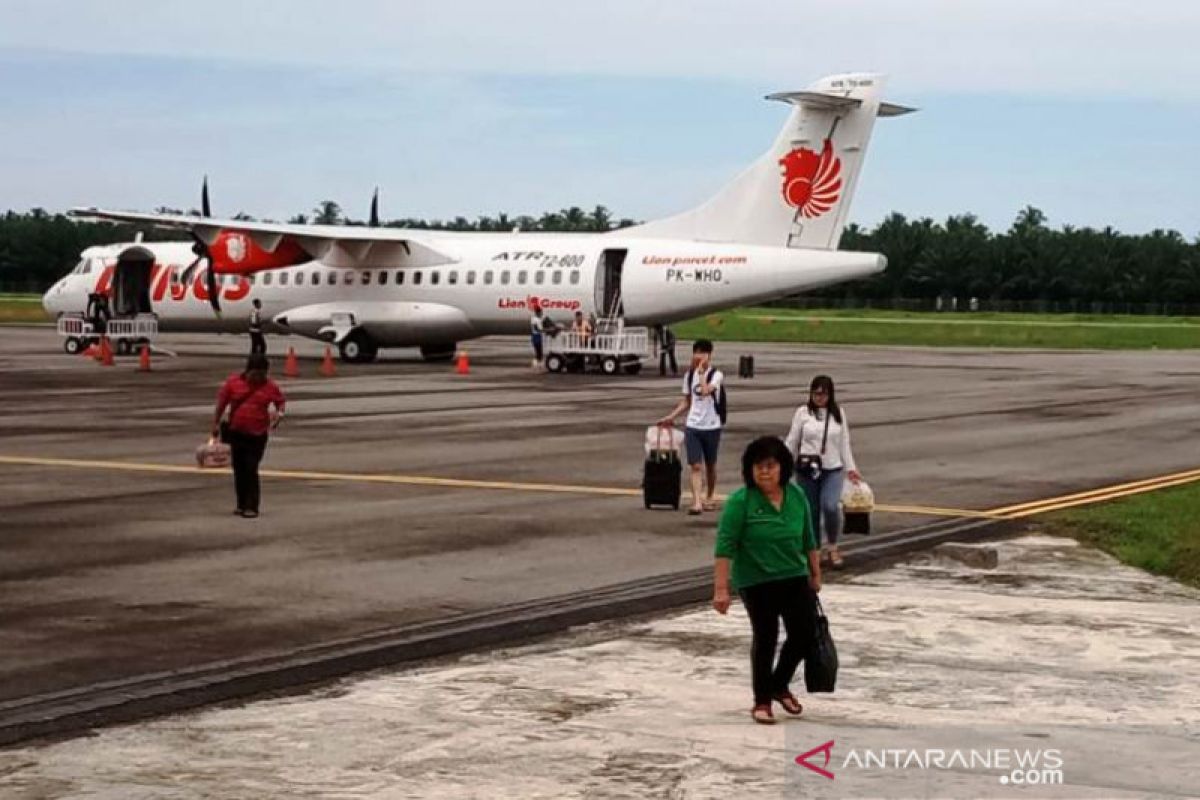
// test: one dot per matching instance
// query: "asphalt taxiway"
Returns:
(401, 493)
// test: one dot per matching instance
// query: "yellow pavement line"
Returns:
(1097, 495)
(1083, 501)
(360, 477)
(411, 480)
(933, 511)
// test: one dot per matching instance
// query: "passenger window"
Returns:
(539, 277)
(434, 277)
(251, 279)
(574, 277)
(267, 276)
(283, 279)
(366, 279)
(316, 279)
(382, 278)
(557, 278)
(487, 277)
(417, 278)
(522, 277)
(504, 276)
(399, 277)
(349, 278)
(452, 277)
(331, 278)
(471, 278)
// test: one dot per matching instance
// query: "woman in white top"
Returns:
(820, 441)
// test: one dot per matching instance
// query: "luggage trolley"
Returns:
(612, 348)
(125, 332)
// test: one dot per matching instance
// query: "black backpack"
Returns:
(721, 400)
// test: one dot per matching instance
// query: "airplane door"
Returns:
(131, 282)
(608, 283)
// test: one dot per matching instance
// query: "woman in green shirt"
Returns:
(765, 542)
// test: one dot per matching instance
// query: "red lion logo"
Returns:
(811, 182)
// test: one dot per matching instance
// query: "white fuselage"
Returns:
(488, 288)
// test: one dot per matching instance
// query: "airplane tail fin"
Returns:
(798, 193)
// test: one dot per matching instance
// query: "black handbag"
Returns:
(808, 466)
(821, 662)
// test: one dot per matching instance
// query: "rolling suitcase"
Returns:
(662, 479)
(662, 474)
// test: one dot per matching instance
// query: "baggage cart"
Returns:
(612, 348)
(126, 333)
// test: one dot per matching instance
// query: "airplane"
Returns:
(772, 231)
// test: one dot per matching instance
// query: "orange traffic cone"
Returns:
(327, 368)
(106, 353)
(463, 367)
(291, 369)
(144, 359)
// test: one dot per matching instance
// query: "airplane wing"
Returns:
(345, 246)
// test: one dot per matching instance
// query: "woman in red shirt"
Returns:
(256, 406)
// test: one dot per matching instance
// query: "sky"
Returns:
(1087, 110)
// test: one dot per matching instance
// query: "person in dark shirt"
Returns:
(258, 342)
(666, 350)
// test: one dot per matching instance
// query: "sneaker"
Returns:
(249, 514)
(762, 714)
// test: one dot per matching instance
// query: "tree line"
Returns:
(1029, 262)
(959, 257)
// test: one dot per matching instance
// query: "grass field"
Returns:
(22, 308)
(963, 329)
(1158, 532)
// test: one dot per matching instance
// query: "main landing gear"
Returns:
(358, 348)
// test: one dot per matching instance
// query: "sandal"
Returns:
(695, 512)
(835, 558)
(710, 505)
(762, 715)
(790, 704)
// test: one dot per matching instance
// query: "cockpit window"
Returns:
(85, 266)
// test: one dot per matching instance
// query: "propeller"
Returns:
(204, 254)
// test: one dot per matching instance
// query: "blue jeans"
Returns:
(824, 501)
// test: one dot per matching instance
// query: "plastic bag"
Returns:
(663, 438)
(857, 497)
(212, 455)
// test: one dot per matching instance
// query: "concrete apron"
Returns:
(111, 702)
(1045, 652)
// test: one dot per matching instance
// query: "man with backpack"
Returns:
(704, 402)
